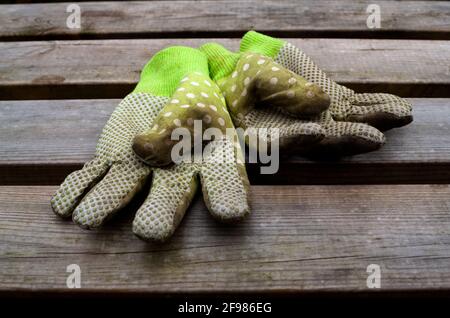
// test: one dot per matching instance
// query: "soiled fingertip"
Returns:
(142, 147)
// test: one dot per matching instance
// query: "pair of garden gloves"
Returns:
(268, 84)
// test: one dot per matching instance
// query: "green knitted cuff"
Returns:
(163, 73)
(260, 43)
(221, 61)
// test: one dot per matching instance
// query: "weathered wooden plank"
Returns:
(225, 17)
(110, 68)
(42, 141)
(298, 239)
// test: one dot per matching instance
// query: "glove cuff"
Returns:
(221, 61)
(163, 73)
(259, 43)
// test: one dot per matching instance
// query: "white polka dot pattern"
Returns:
(155, 147)
(259, 80)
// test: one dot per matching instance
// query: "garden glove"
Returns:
(383, 111)
(332, 138)
(111, 179)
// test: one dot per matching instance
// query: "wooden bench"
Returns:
(315, 226)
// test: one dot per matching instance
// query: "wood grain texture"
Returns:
(110, 68)
(225, 17)
(42, 141)
(298, 239)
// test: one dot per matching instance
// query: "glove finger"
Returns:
(76, 185)
(259, 80)
(197, 100)
(384, 111)
(170, 195)
(111, 194)
(293, 134)
(346, 139)
(224, 181)
(362, 99)
(291, 93)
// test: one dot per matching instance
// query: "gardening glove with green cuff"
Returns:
(111, 179)
(383, 111)
(313, 135)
